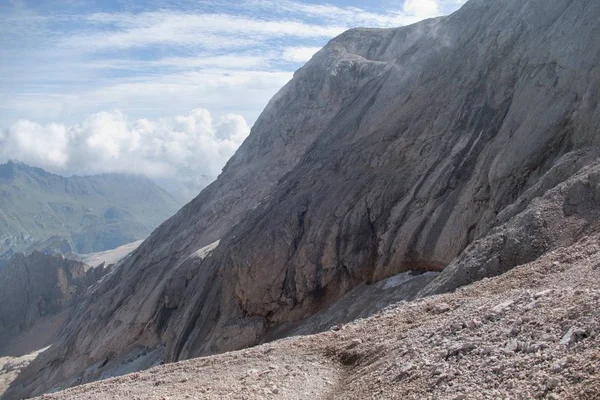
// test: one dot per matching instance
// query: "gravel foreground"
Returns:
(531, 333)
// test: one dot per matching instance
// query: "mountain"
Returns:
(460, 147)
(508, 337)
(36, 292)
(51, 213)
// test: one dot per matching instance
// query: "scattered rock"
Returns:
(486, 351)
(422, 360)
(474, 323)
(404, 371)
(461, 348)
(573, 336)
(542, 293)
(513, 345)
(441, 308)
(500, 308)
(552, 383)
(353, 344)
(531, 305)
(437, 369)
(440, 127)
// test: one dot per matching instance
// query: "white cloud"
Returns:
(422, 8)
(411, 11)
(185, 152)
(145, 95)
(208, 31)
(32, 143)
(299, 54)
(239, 61)
(227, 61)
(165, 57)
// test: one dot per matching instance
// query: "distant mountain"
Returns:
(56, 214)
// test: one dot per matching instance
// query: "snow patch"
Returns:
(206, 250)
(398, 280)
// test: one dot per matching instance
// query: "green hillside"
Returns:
(40, 210)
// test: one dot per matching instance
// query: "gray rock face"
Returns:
(361, 302)
(390, 151)
(559, 218)
(39, 286)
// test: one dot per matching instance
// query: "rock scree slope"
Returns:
(466, 144)
(36, 293)
(533, 333)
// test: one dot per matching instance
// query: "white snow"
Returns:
(206, 250)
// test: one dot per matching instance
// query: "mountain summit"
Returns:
(466, 144)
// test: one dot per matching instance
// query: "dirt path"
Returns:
(531, 333)
(252, 374)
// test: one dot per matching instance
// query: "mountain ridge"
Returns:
(390, 151)
(78, 214)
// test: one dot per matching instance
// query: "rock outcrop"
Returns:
(35, 290)
(390, 151)
(559, 218)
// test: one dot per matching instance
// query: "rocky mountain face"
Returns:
(467, 144)
(56, 214)
(532, 333)
(39, 287)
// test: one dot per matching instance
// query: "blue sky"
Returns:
(72, 69)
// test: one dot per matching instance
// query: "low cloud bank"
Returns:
(182, 153)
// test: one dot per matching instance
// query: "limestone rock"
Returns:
(466, 144)
(573, 335)
(36, 287)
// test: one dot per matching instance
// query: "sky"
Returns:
(164, 88)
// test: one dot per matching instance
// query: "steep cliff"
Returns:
(390, 151)
(35, 290)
